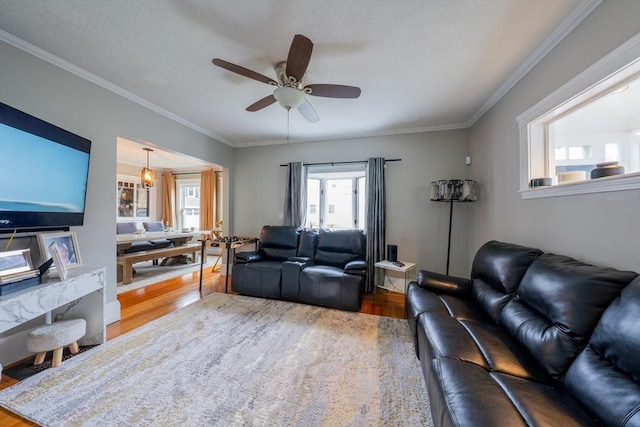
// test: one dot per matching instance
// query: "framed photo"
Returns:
(67, 245)
(61, 266)
(15, 262)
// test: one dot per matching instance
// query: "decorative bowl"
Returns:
(607, 169)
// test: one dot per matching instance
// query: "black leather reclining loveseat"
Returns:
(319, 267)
(532, 339)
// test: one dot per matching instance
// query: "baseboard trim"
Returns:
(112, 312)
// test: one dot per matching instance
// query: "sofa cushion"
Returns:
(307, 243)
(126, 227)
(442, 336)
(606, 375)
(483, 344)
(558, 303)
(462, 393)
(338, 247)
(496, 272)
(278, 242)
(161, 243)
(139, 247)
(331, 287)
(260, 279)
(153, 226)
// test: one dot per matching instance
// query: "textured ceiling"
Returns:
(421, 64)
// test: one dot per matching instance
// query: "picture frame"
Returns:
(61, 267)
(67, 244)
(14, 263)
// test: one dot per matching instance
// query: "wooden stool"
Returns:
(54, 337)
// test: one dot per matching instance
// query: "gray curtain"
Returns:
(295, 195)
(375, 220)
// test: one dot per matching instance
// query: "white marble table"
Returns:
(408, 271)
(80, 296)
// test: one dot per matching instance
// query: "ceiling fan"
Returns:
(290, 90)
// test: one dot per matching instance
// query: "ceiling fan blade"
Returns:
(299, 56)
(334, 91)
(308, 112)
(243, 71)
(259, 105)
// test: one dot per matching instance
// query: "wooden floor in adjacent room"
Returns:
(141, 306)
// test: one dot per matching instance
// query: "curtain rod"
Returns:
(192, 173)
(342, 163)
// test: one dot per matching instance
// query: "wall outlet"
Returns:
(280, 215)
(467, 160)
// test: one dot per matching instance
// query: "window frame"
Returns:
(180, 184)
(532, 130)
(323, 174)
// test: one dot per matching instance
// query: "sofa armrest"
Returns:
(356, 267)
(249, 257)
(442, 283)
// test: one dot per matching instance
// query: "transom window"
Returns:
(605, 128)
(335, 198)
(591, 122)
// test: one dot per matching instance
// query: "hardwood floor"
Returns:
(141, 306)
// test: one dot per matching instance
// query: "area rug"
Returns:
(230, 360)
(146, 273)
(26, 368)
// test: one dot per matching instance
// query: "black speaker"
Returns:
(392, 253)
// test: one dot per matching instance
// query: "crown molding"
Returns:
(353, 136)
(566, 26)
(105, 84)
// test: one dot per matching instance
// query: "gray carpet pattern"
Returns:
(229, 360)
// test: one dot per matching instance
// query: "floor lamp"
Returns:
(452, 190)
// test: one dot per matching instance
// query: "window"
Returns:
(335, 197)
(188, 203)
(611, 152)
(593, 119)
(133, 199)
(607, 120)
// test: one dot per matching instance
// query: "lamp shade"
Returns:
(288, 97)
(147, 176)
(457, 190)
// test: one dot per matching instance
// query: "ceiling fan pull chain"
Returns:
(288, 113)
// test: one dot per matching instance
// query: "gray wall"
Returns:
(417, 225)
(73, 103)
(600, 228)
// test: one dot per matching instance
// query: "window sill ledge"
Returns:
(630, 181)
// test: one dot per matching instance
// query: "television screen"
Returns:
(43, 173)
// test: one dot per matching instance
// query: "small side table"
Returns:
(408, 270)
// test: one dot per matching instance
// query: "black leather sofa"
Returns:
(319, 267)
(531, 339)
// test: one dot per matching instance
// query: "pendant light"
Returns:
(147, 176)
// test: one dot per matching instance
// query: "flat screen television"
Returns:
(43, 173)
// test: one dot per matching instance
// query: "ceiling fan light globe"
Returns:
(288, 97)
